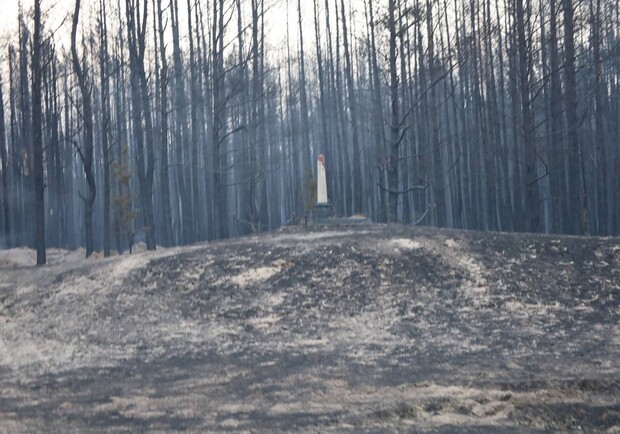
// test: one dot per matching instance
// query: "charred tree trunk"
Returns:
(39, 181)
(577, 195)
(5, 234)
(394, 119)
(164, 176)
(193, 164)
(532, 199)
(87, 116)
(105, 125)
(145, 159)
(356, 169)
(219, 123)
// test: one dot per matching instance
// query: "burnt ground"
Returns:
(361, 329)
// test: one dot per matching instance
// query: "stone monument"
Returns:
(323, 208)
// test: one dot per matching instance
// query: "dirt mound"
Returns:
(367, 328)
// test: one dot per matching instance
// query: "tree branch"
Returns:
(408, 190)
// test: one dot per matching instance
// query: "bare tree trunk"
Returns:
(136, 28)
(603, 221)
(556, 167)
(219, 123)
(5, 235)
(532, 199)
(381, 151)
(303, 102)
(193, 142)
(87, 115)
(356, 169)
(181, 133)
(165, 176)
(394, 120)
(577, 186)
(39, 181)
(346, 162)
(105, 112)
(325, 146)
(14, 167)
(25, 187)
(256, 175)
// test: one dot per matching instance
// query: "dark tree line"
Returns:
(175, 123)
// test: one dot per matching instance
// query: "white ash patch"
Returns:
(405, 244)
(429, 405)
(259, 274)
(530, 309)
(18, 350)
(26, 257)
(475, 286)
(304, 239)
(450, 243)
(60, 326)
(135, 406)
(230, 423)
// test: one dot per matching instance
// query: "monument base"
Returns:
(322, 211)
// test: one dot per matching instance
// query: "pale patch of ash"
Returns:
(264, 322)
(141, 406)
(27, 257)
(450, 243)
(405, 244)
(475, 286)
(66, 324)
(19, 348)
(233, 408)
(281, 409)
(230, 423)
(315, 236)
(430, 406)
(25, 353)
(260, 274)
(455, 253)
(529, 309)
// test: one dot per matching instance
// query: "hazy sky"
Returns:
(59, 9)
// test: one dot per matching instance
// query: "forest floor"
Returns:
(348, 329)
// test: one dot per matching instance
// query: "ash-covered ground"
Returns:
(361, 329)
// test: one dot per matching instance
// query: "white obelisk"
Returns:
(321, 188)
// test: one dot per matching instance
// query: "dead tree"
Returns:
(395, 138)
(145, 159)
(86, 154)
(37, 146)
(105, 124)
(164, 176)
(6, 213)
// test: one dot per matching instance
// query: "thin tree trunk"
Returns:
(87, 153)
(5, 235)
(356, 169)
(105, 112)
(394, 120)
(303, 102)
(577, 195)
(39, 181)
(165, 175)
